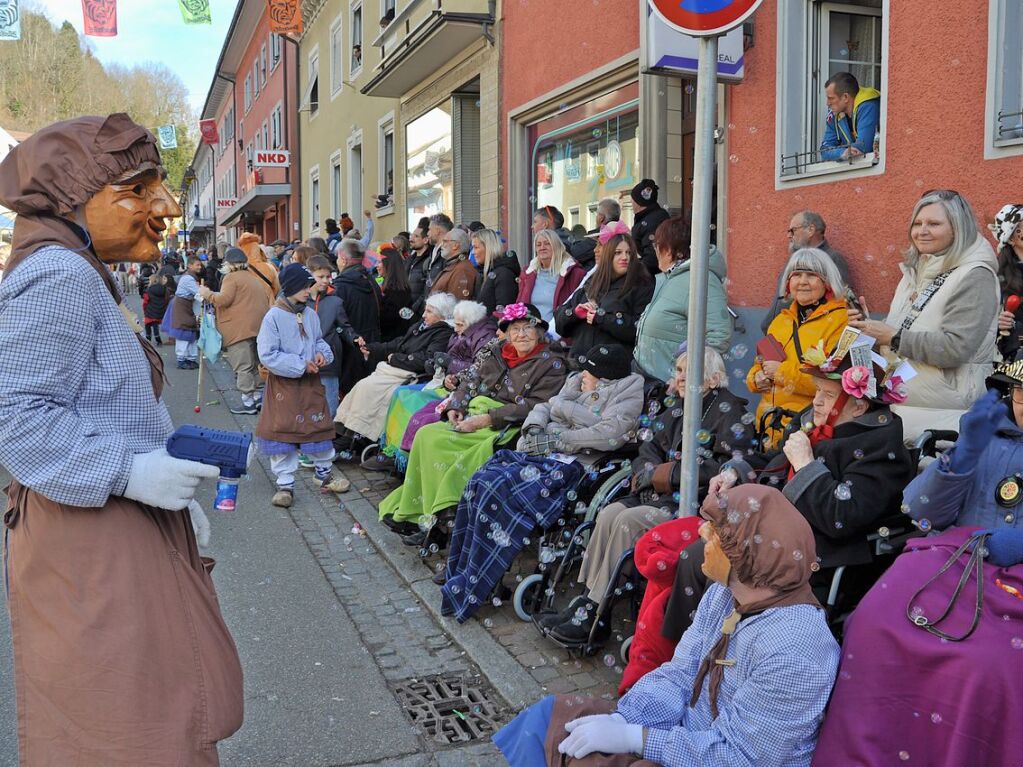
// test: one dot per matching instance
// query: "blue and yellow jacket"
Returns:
(839, 134)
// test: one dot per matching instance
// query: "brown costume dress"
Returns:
(121, 654)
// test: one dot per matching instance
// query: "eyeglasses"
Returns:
(792, 229)
(522, 330)
(942, 194)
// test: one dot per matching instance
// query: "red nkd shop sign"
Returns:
(272, 158)
(704, 18)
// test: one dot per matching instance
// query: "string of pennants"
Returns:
(100, 16)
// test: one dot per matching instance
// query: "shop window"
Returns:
(356, 26)
(815, 41)
(611, 146)
(1005, 77)
(314, 197)
(429, 165)
(337, 48)
(335, 185)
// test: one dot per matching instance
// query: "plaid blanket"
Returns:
(510, 496)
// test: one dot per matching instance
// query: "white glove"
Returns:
(158, 479)
(200, 524)
(606, 733)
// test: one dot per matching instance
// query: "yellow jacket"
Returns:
(793, 390)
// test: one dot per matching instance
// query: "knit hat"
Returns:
(645, 192)
(235, 256)
(294, 278)
(608, 361)
(514, 312)
(1006, 221)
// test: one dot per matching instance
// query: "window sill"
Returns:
(832, 170)
(355, 73)
(338, 92)
(388, 211)
(994, 150)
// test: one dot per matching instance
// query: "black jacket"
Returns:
(214, 278)
(412, 351)
(501, 285)
(584, 252)
(722, 429)
(392, 325)
(337, 332)
(361, 296)
(617, 323)
(643, 228)
(866, 456)
(156, 304)
(416, 265)
(146, 272)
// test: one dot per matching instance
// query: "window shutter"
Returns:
(793, 75)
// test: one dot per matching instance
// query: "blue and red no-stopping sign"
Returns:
(704, 17)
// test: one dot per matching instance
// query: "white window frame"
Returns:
(266, 134)
(314, 74)
(591, 216)
(255, 78)
(794, 65)
(336, 189)
(385, 127)
(356, 8)
(574, 216)
(262, 64)
(388, 5)
(997, 66)
(355, 140)
(277, 126)
(248, 92)
(315, 199)
(276, 51)
(337, 57)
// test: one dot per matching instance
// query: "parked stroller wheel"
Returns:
(527, 596)
(623, 652)
(370, 450)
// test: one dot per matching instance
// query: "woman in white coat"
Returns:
(943, 316)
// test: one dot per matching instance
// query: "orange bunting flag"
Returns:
(285, 17)
(100, 17)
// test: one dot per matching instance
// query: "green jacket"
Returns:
(665, 323)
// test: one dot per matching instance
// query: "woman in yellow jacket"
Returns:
(816, 315)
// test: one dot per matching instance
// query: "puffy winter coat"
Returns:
(462, 349)
(597, 421)
(392, 324)
(412, 351)
(665, 322)
(416, 265)
(615, 322)
(337, 332)
(458, 277)
(361, 296)
(968, 499)
(952, 341)
(157, 297)
(500, 287)
(793, 389)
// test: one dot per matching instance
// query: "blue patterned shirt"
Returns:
(771, 702)
(76, 401)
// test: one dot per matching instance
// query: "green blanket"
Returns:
(440, 465)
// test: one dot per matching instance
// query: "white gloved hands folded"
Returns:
(158, 479)
(606, 733)
(200, 524)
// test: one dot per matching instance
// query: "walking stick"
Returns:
(198, 393)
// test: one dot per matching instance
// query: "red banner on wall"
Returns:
(100, 17)
(208, 130)
(285, 17)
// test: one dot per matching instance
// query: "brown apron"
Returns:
(121, 654)
(182, 317)
(295, 411)
(569, 707)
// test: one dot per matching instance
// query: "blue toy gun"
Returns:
(227, 450)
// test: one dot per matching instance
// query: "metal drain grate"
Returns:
(448, 708)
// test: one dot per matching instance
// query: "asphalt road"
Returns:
(314, 695)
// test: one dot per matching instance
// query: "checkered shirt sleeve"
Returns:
(76, 402)
(771, 701)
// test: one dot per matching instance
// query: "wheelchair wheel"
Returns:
(623, 651)
(370, 450)
(526, 596)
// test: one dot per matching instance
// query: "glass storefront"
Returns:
(587, 153)
(430, 165)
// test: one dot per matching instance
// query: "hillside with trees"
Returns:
(51, 74)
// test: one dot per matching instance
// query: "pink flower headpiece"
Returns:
(514, 312)
(607, 231)
(895, 391)
(856, 381)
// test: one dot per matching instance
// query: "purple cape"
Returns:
(904, 695)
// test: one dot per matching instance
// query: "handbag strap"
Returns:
(974, 564)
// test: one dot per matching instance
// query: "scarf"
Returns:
(286, 305)
(511, 354)
(738, 517)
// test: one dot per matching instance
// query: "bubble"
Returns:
(797, 555)
(748, 418)
(530, 474)
(842, 492)
(924, 525)
(703, 436)
(689, 591)
(609, 660)
(733, 158)
(857, 454)
(496, 601)
(571, 495)
(936, 717)
(724, 407)
(645, 435)
(1017, 643)
(924, 499)
(904, 756)
(405, 313)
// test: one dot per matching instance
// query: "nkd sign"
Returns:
(272, 158)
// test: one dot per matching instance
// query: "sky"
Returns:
(152, 30)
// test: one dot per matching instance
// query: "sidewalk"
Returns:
(520, 664)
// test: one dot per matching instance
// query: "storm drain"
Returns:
(448, 709)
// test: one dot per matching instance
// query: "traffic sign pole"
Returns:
(699, 269)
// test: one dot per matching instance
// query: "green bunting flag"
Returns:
(196, 11)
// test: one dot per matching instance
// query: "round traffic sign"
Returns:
(703, 18)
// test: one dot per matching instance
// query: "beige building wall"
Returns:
(347, 124)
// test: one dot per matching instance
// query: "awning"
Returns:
(256, 200)
(440, 38)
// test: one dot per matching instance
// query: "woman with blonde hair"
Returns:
(551, 277)
(499, 284)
